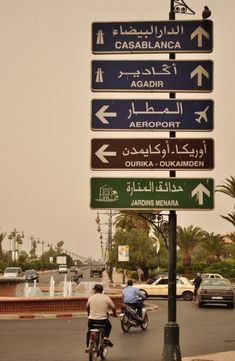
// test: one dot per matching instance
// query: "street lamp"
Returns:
(16, 236)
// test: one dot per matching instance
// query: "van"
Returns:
(63, 268)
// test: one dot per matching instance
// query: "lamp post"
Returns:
(16, 236)
(109, 239)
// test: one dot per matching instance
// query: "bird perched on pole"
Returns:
(206, 13)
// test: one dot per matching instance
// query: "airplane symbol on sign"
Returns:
(202, 115)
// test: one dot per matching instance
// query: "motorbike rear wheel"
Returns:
(125, 324)
(145, 323)
(93, 352)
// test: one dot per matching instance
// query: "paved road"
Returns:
(202, 331)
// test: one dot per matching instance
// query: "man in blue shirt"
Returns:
(131, 297)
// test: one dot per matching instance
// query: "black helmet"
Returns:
(98, 288)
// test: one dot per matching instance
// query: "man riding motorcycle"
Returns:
(131, 297)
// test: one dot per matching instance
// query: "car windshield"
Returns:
(210, 282)
(10, 270)
(29, 272)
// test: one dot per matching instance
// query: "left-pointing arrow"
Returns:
(198, 192)
(102, 114)
(101, 153)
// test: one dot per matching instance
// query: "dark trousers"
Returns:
(138, 306)
(91, 324)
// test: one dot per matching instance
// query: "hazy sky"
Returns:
(45, 112)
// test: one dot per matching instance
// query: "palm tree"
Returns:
(187, 239)
(2, 236)
(231, 236)
(131, 219)
(214, 246)
(228, 187)
(230, 218)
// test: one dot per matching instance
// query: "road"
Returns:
(202, 331)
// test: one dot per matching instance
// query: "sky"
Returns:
(45, 116)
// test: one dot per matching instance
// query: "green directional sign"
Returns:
(152, 193)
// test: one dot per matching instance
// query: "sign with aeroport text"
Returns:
(152, 193)
(152, 37)
(152, 153)
(152, 114)
(152, 75)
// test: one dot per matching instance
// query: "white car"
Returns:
(13, 272)
(63, 268)
(184, 288)
(211, 275)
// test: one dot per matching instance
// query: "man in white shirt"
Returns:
(98, 306)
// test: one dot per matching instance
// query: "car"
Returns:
(216, 291)
(159, 288)
(31, 275)
(211, 275)
(13, 272)
(62, 268)
(73, 269)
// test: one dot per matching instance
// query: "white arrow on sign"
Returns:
(198, 192)
(199, 71)
(200, 32)
(101, 153)
(101, 114)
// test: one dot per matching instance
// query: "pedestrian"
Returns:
(196, 282)
(76, 277)
(140, 274)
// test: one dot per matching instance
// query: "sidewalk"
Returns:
(220, 356)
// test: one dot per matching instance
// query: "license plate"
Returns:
(217, 298)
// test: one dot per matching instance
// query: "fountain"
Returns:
(66, 298)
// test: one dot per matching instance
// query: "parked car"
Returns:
(31, 275)
(159, 287)
(63, 268)
(216, 291)
(13, 272)
(211, 275)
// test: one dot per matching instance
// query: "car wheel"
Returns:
(187, 295)
(231, 305)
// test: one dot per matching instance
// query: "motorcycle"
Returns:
(129, 318)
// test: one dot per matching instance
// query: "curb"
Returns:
(59, 315)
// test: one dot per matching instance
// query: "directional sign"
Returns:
(152, 75)
(170, 153)
(152, 193)
(152, 37)
(152, 114)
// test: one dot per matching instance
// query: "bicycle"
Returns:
(98, 346)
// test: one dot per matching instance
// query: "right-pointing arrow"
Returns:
(101, 153)
(102, 114)
(198, 192)
(199, 71)
(199, 33)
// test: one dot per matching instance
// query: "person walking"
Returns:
(196, 282)
(98, 306)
